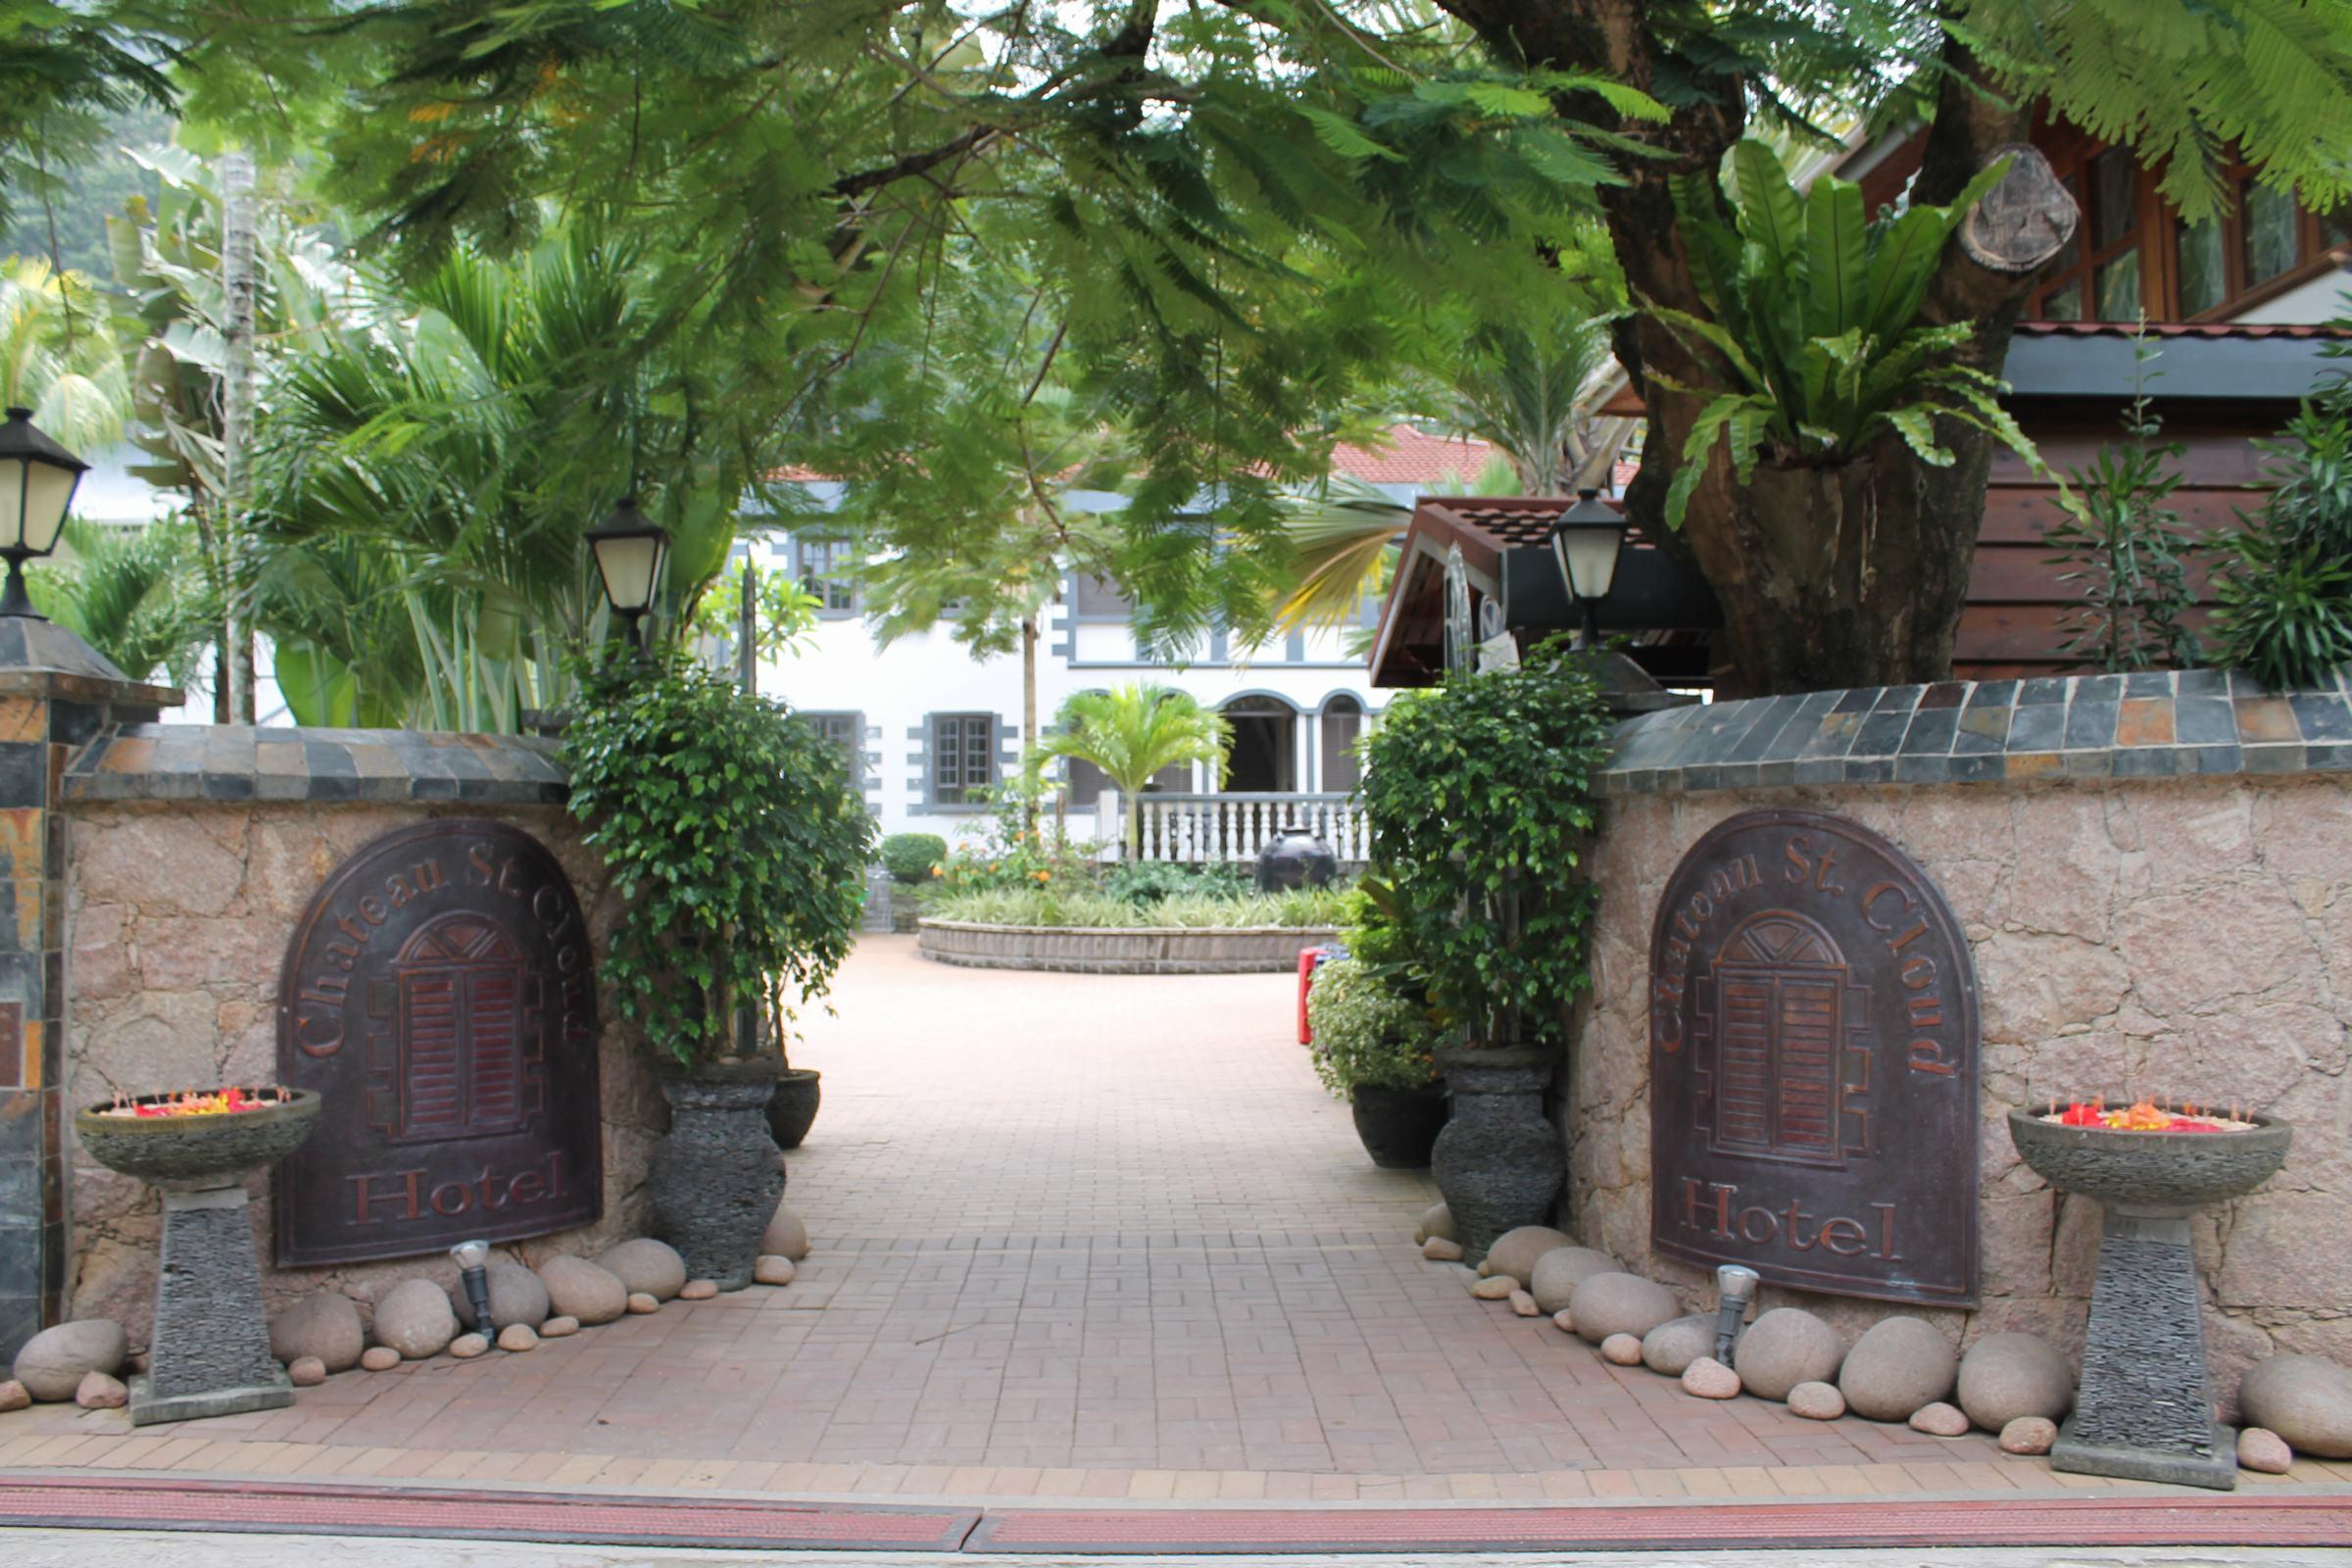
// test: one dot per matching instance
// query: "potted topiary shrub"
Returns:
(912, 859)
(1479, 795)
(1374, 1049)
(739, 854)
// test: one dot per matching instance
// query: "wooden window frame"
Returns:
(828, 580)
(853, 745)
(952, 779)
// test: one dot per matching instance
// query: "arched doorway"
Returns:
(1264, 758)
(1343, 721)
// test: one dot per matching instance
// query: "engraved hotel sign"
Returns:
(440, 997)
(1813, 1064)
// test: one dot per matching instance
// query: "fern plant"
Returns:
(1816, 321)
(2285, 589)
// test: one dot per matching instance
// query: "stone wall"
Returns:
(2140, 923)
(178, 914)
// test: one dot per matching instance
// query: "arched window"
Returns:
(1342, 722)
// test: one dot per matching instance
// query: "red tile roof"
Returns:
(1406, 456)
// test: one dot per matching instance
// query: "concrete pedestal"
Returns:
(2146, 1409)
(210, 1353)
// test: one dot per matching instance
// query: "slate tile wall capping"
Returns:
(2149, 724)
(147, 761)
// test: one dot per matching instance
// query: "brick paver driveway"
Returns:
(1076, 1236)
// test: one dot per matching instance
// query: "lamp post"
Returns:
(37, 478)
(1586, 541)
(473, 1267)
(629, 553)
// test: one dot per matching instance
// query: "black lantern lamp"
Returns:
(473, 1267)
(1586, 541)
(1735, 1289)
(37, 478)
(629, 553)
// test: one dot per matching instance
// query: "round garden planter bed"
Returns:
(1120, 950)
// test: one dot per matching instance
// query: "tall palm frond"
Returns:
(1528, 392)
(1134, 732)
(136, 595)
(59, 355)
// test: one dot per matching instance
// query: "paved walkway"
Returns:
(1076, 1238)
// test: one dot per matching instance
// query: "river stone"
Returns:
(2261, 1449)
(641, 1304)
(1497, 1289)
(1939, 1420)
(1621, 1349)
(14, 1396)
(1564, 1320)
(54, 1361)
(578, 1289)
(1816, 1402)
(698, 1290)
(1437, 1220)
(1561, 1270)
(305, 1372)
(466, 1347)
(1524, 1305)
(773, 1268)
(2004, 1376)
(1898, 1364)
(2307, 1399)
(100, 1390)
(648, 1267)
(1442, 1250)
(1619, 1304)
(562, 1328)
(1783, 1347)
(414, 1317)
(2029, 1434)
(516, 1296)
(1515, 1251)
(326, 1325)
(786, 1236)
(380, 1359)
(518, 1338)
(1674, 1344)
(1709, 1379)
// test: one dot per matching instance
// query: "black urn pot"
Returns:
(1399, 1125)
(794, 1110)
(1498, 1162)
(717, 1176)
(1295, 858)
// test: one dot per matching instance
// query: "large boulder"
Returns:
(1561, 1270)
(2307, 1399)
(326, 1325)
(2004, 1376)
(786, 1236)
(54, 1361)
(516, 1296)
(648, 1267)
(1435, 1220)
(1515, 1251)
(1897, 1365)
(580, 1289)
(415, 1318)
(1674, 1344)
(1783, 1347)
(1619, 1304)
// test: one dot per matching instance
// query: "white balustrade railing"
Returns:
(1204, 829)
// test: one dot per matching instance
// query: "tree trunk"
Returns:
(1029, 708)
(236, 423)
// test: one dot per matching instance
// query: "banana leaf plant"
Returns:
(1817, 326)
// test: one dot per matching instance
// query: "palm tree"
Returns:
(58, 356)
(1131, 734)
(136, 595)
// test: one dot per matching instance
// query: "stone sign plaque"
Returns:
(439, 995)
(1813, 1064)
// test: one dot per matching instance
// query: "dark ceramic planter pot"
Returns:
(717, 1178)
(1399, 1125)
(1498, 1162)
(794, 1108)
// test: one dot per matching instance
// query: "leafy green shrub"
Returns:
(1366, 1036)
(1150, 881)
(2286, 591)
(736, 846)
(1479, 794)
(1018, 853)
(911, 857)
(1084, 907)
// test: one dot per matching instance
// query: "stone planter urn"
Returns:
(209, 1354)
(789, 1116)
(1498, 1162)
(2146, 1409)
(1398, 1126)
(717, 1176)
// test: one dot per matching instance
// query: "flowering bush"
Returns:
(1015, 854)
